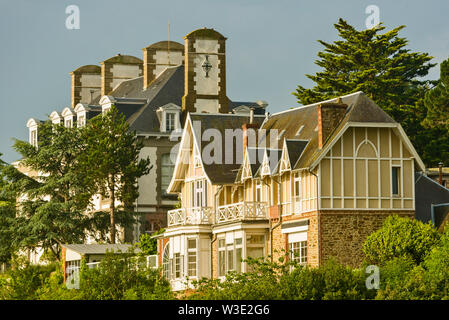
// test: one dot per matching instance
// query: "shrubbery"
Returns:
(413, 261)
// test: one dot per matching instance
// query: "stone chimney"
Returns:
(158, 57)
(117, 69)
(205, 72)
(329, 117)
(86, 84)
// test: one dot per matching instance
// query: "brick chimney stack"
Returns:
(329, 117)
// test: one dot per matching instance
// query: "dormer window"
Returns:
(170, 121)
(68, 115)
(81, 122)
(32, 125)
(168, 116)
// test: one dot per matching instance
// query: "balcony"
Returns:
(190, 216)
(242, 211)
(294, 207)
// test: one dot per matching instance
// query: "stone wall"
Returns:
(343, 233)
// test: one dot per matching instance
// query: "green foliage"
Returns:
(286, 281)
(111, 162)
(7, 212)
(123, 276)
(147, 244)
(437, 100)
(400, 238)
(380, 65)
(24, 280)
(51, 207)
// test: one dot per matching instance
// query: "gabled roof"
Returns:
(196, 124)
(295, 149)
(360, 110)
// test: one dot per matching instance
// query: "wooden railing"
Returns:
(241, 211)
(193, 216)
(293, 207)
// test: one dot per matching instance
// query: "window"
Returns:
(33, 137)
(221, 257)
(199, 193)
(298, 191)
(166, 261)
(81, 121)
(395, 174)
(191, 257)
(230, 256)
(167, 168)
(259, 191)
(177, 265)
(255, 246)
(68, 123)
(238, 255)
(298, 252)
(170, 121)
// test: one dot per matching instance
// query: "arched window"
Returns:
(166, 261)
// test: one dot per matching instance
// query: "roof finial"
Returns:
(339, 100)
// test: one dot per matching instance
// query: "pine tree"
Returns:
(437, 100)
(379, 65)
(111, 162)
(52, 197)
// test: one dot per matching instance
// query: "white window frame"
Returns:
(192, 252)
(33, 137)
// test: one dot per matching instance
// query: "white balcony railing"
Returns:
(242, 211)
(293, 207)
(183, 216)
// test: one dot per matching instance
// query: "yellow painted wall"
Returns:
(357, 171)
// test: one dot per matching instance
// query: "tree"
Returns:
(379, 65)
(111, 162)
(400, 238)
(147, 244)
(7, 211)
(436, 102)
(52, 195)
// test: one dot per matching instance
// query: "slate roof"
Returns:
(83, 249)
(428, 192)
(139, 105)
(360, 108)
(223, 173)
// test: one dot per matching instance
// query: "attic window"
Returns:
(299, 130)
(33, 137)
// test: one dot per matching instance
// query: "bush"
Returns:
(123, 276)
(24, 279)
(287, 281)
(400, 238)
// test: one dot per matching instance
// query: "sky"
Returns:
(271, 44)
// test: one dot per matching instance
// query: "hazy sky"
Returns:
(271, 44)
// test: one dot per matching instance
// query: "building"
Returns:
(155, 94)
(313, 180)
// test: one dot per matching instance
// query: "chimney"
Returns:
(205, 72)
(160, 56)
(85, 79)
(329, 117)
(117, 69)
